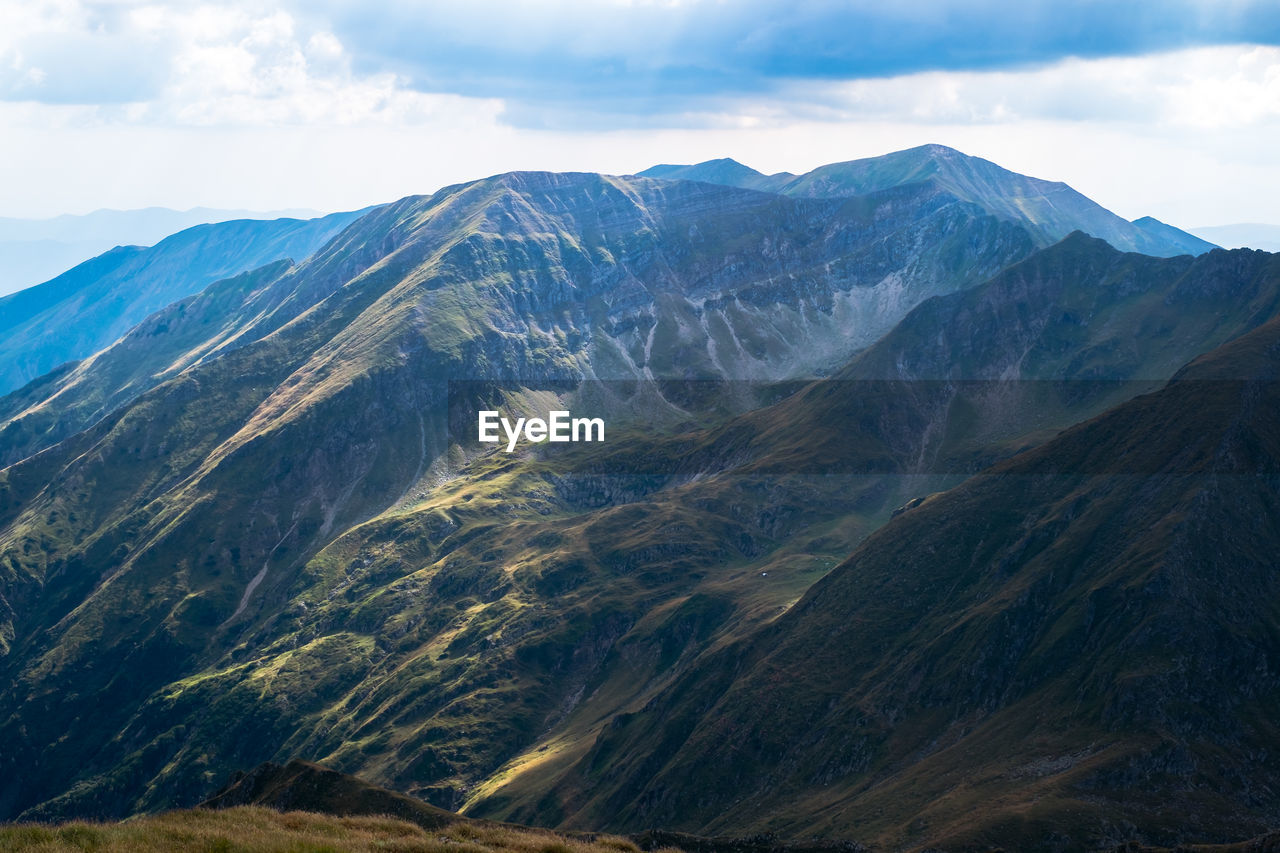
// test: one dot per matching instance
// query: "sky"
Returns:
(1169, 108)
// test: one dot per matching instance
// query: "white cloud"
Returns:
(206, 64)
(1201, 88)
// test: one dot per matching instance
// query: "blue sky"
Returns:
(1166, 108)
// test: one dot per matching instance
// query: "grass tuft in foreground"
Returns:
(254, 829)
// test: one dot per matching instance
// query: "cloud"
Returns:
(64, 52)
(201, 64)
(1197, 88)
(575, 64)
(1171, 106)
(561, 58)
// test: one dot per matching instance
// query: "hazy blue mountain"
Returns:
(1189, 243)
(723, 171)
(34, 250)
(1251, 235)
(1049, 210)
(86, 308)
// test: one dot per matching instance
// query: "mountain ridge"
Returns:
(34, 249)
(1049, 209)
(86, 308)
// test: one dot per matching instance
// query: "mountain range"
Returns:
(86, 308)
(34, 250)
(927, 521)
(1245, 234)
(1049, 210)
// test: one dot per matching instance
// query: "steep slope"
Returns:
(1082, 310)
(186, 551)
(1049, 210)
(1075, 648)
(86, 308)
(963, 381)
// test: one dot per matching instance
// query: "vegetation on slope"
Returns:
(257, 829)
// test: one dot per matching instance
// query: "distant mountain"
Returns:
(1049, 210)
(34, 250)
(1074, 649)
(1243, 235)
(1189, 243)
(723, 171)
(86, 308)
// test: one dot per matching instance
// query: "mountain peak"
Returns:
(1181, 240)
(1049, 210)
(724, 170)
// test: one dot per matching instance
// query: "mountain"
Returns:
(1188, 243)
(86, 308)
(151, 557)
(965, 380)
(1073, 649)
(255, 527)
(266, 550)
(757, 288)
(1082, 310)
(1251, 235)
(722, 171)
(1049, 210)
(33, 250)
